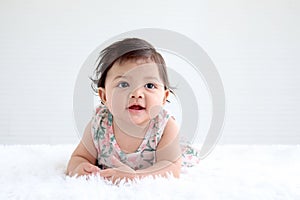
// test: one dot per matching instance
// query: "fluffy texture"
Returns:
(229, 172)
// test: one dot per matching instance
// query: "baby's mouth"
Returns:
(136, 107)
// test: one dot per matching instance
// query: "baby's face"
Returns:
(134, 92)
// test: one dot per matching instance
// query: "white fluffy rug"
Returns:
(229, 172)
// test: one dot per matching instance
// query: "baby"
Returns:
(130, 135)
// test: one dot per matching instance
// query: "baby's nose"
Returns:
(138, 93)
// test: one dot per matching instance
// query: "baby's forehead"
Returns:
(134, 70)
(137, 66)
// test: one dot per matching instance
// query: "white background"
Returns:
(254, 44)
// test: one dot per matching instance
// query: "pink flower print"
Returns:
(98, 109)
(105, 123)
(132, 158)
(110, 128)
(142, 146)
(189, 157)
(106, 139)
(115, 145)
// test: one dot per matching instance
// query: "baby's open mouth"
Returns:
(136, 107)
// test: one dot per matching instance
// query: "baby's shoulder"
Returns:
(161, 119)
(102, 118)
(101, 109)
(101, 113)
(163, 115)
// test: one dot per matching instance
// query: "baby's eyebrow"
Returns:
(120, 76)
(152, 78)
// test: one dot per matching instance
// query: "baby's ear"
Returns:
(167, 92)
(102, 94)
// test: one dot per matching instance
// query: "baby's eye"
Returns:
(150, 86)
(123, 85)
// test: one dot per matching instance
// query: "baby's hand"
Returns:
(84, 168)
(117, 174)
(120, 172)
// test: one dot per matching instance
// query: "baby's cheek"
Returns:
(117, 103)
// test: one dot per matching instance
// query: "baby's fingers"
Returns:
(84, 169)
(89, 168)
(107, 173)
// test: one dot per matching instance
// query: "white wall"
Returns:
(254, 44)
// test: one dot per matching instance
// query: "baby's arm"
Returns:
(83, 159)
(168, 154)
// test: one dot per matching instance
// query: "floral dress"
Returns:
(108, 150)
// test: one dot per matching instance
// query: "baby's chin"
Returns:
(139, 121)
(133, 119)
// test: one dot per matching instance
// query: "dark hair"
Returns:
(122, 51)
